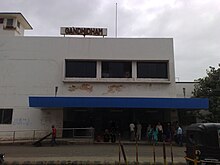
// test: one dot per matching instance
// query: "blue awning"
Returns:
(118, 102)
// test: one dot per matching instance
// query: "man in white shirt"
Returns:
(180, 136)
(132, 133)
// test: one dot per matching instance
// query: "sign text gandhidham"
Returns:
(83, 31)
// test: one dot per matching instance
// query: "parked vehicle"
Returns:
(2, 158)
(203, 143)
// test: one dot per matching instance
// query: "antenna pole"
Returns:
(116, 20)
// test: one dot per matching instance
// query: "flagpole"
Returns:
(116, 20)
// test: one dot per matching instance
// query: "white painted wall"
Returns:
(7, 33)
(189, 87)
(11, 32)
(33, 66)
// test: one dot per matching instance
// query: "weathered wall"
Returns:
(189, 87)
(33, 66)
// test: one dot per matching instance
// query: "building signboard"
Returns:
(83, 31)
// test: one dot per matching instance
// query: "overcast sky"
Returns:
(193, 24)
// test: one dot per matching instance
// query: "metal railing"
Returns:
(33, 135)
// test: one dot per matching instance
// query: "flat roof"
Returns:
(19, 16)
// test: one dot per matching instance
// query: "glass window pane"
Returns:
(9, 22)
(116, 69)
(80, 69)
(152, 70)
(1, 20)
(7, 116)
(1, 116)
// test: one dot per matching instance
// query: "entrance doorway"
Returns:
(103, 118)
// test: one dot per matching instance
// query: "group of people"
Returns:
(155, 133)
(135, 131)
(110, 134)
(158, 133)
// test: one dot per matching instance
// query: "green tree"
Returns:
(209, 87)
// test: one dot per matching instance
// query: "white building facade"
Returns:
(85, 82)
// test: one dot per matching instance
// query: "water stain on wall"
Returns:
(84, 87)
(114, 88)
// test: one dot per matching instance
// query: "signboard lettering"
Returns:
(83, 31)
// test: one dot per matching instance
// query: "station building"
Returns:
(86, 82)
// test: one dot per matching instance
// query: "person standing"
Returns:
(113, 132)
(139, 127)
(54, 133)
(180, 136)
(155, 135)
(160, 131)
(132, 133)
(168, 133)
(106, 136)
(149, 132)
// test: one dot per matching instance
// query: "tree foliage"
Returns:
(209, 87)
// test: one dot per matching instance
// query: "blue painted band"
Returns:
(118, 102)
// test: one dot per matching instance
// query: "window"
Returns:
(80, 69)
(1, 20)
(116, 69)
(5, 116)
(9, 23)
(152, 70)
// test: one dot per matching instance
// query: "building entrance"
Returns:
(106, 118)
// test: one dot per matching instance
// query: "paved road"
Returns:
(88, 152)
